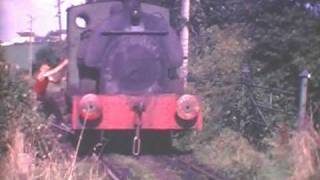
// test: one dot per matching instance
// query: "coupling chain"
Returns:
(136, 146)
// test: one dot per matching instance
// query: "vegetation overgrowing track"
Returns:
(180, 168)
(201, 169)
(188, 168)
(113, 172)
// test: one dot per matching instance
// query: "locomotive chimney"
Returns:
(134, 9)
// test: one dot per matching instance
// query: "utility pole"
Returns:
(184, 37)
(31, 37)
(304, 75)
(59, 2)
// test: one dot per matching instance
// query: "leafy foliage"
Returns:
(277, 39)
(45, 55)
(286, 36)
(14, 97)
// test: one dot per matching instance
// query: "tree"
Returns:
(45, 55)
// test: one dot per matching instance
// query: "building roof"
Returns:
(26, 34)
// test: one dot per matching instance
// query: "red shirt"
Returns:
(40, 86)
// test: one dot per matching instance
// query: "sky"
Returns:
(14, 16)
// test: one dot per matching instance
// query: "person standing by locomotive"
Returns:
(41, 84)
(45, 75)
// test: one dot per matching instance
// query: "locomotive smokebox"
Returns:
(134, 66)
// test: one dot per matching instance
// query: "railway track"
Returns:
(191, 169)
(182, 165)
(209, 174)
(183, 169)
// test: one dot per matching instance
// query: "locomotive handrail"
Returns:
(159, 33)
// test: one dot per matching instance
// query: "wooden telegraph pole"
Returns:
(59, 18)
(31, 44)
(184, 37)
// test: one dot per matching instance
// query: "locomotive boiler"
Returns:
(124, 71)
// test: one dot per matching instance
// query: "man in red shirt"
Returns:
(45, 75)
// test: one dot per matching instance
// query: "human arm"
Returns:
(56, 69)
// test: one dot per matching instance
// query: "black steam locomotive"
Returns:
(124, 71)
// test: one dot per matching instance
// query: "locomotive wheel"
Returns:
(158, 142)
(89, 139)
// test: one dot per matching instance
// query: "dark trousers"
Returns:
(49, 106)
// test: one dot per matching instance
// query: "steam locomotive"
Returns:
(124, 71)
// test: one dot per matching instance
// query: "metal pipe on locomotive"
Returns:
(124, 69)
